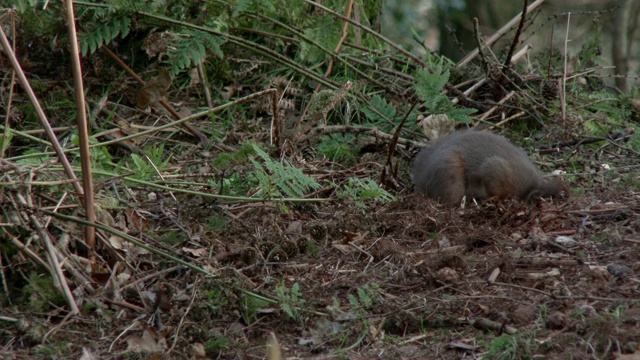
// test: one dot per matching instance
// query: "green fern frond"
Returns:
(338, 148)
(103, 32)
(459, 114)
(35, 160)
(278, 179)
(605, 102)
(353, 301)
(429, 86)
(190, 48)
(23, 5)
(242, 6)
(326, 33)
(382, 106)
(359, 191)
(246, 5)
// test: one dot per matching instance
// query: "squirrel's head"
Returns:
(549, 189)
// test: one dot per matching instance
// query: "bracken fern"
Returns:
(100, 33)
(278, 179)
(429, 84)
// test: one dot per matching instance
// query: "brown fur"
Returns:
(478, 165)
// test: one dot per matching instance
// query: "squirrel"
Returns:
(478, 165)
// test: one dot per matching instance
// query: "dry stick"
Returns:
(39, 112)
(41, 131)
(514, 116)
(396, 135)
(13, 82)
(188, 118)
(55, 328)
(83, 131)
(22, 247)
(203, 139)
(5, 286)
(328, 129)
(481, 46)
(344, 62)
(276, 123)
(251, 46)
(497, 35)
(379, 68)
(205, 85)
(142, 244)
(516, 38)
(305, 132)
(563, 105)
(184, 316)
(515, 57)
(56, 270)
(345, 25)
(259, 49)
(495, 107)
(370, 31)
(80, 279)
(550, 51)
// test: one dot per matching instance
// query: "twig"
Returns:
(363, 130)
(276, 123)
(394, 140)
(525, 49)
(22, 247)
(497, 35)
(55, 328)
(304, 132)
(481, 46)
(188, 118)
(133, 324)
(514, 116)
(152, 275)
(516, 38)
(370, 31)
(83, 130)
(53, 259)
(7, 120)
(496, 107)
(184, 316)
(39, 112)
(203, 139)
(249, 45)
(345, 25)
(5, 284)
(550, 51)
(563, 105)
(205, 85)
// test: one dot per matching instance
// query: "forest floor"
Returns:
(408, 279)
(332, 273)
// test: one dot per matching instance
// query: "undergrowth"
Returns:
(218, 201)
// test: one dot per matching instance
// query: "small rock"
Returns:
(516, 236)
(443, 242)
(537, 235)
(586, 309)
(447, 275)
(619, 271)
(565, 241)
